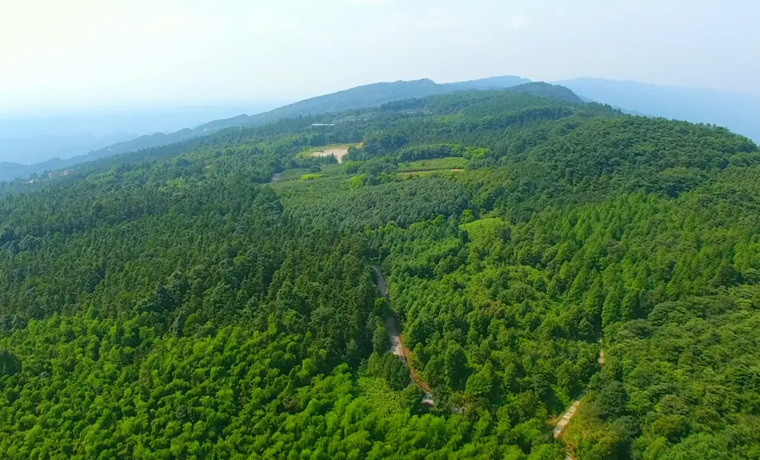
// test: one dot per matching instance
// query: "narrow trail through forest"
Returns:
(570, 412)
(567, 416)
(397, 340)
(398, 349)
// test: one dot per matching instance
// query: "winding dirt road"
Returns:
(397, 340)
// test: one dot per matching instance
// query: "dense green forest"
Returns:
(217, 298)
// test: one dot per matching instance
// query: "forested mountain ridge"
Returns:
(355, 98)
(11, 168)
(736, 111)
(173, 303)
(373, 95)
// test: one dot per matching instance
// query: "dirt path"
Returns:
(397, 340)
(381, 283)
(397, 347)
(568, 415)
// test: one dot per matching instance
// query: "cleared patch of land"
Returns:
(338, 151)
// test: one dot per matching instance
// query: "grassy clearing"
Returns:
(380, 395)
(295, 190)
(483, 228)
(325, 170)
(311, 176)
(447, 164)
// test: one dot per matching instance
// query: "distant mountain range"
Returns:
(740, 113)
(30, 138)
(360, 97)
(11, 170)
(40, 147)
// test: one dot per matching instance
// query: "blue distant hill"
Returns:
(738, 112)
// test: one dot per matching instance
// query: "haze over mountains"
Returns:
(354, 98)
(740, 113)
(31, 138)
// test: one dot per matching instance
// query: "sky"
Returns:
(93, 54)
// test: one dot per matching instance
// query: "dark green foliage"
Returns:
(380, 341)
(9, 363)
(611, 400)
(389, 367)
(379, 144)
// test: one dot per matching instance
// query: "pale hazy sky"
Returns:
(97, 53)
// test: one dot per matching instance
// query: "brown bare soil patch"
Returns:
(338, 153)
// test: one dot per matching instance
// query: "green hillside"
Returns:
(354, 98)
(203, 300)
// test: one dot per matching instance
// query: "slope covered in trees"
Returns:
(172, 303)
(360, 97)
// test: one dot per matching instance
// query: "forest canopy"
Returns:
(201, 300)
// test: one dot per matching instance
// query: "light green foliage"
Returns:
(485, 230)
(310, 176)
(357, 181)
(380, 396)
